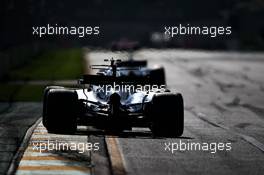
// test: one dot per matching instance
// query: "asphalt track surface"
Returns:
(15, 119)
(224, 111)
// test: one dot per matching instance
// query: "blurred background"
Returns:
(28, 63)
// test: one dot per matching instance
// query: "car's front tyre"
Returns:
(167, 115)
(61, 111)
(45, 99)
(157, 75)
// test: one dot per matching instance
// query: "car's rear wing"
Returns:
(132, 63)
(101, 79)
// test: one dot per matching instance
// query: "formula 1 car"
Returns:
(117, 98)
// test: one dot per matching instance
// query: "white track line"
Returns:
(247, 138)
(35, 162)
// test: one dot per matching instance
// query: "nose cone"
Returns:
(115, 98)
(115, 104)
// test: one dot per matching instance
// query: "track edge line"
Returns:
(21, 149)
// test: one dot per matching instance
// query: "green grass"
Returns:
(58, 64)
(27, 92)
(53, 65)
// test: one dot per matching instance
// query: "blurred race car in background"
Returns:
(122, 95)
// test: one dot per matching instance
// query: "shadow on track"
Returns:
(125, 134)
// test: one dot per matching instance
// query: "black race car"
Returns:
(120, 96)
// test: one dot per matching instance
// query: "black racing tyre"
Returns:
(158, 76)
(61, 111)
(45, 97)
(167, 115)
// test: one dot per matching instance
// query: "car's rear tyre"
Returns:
(61, 111)
(45, 98)
(158, 76)
(167, 115)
